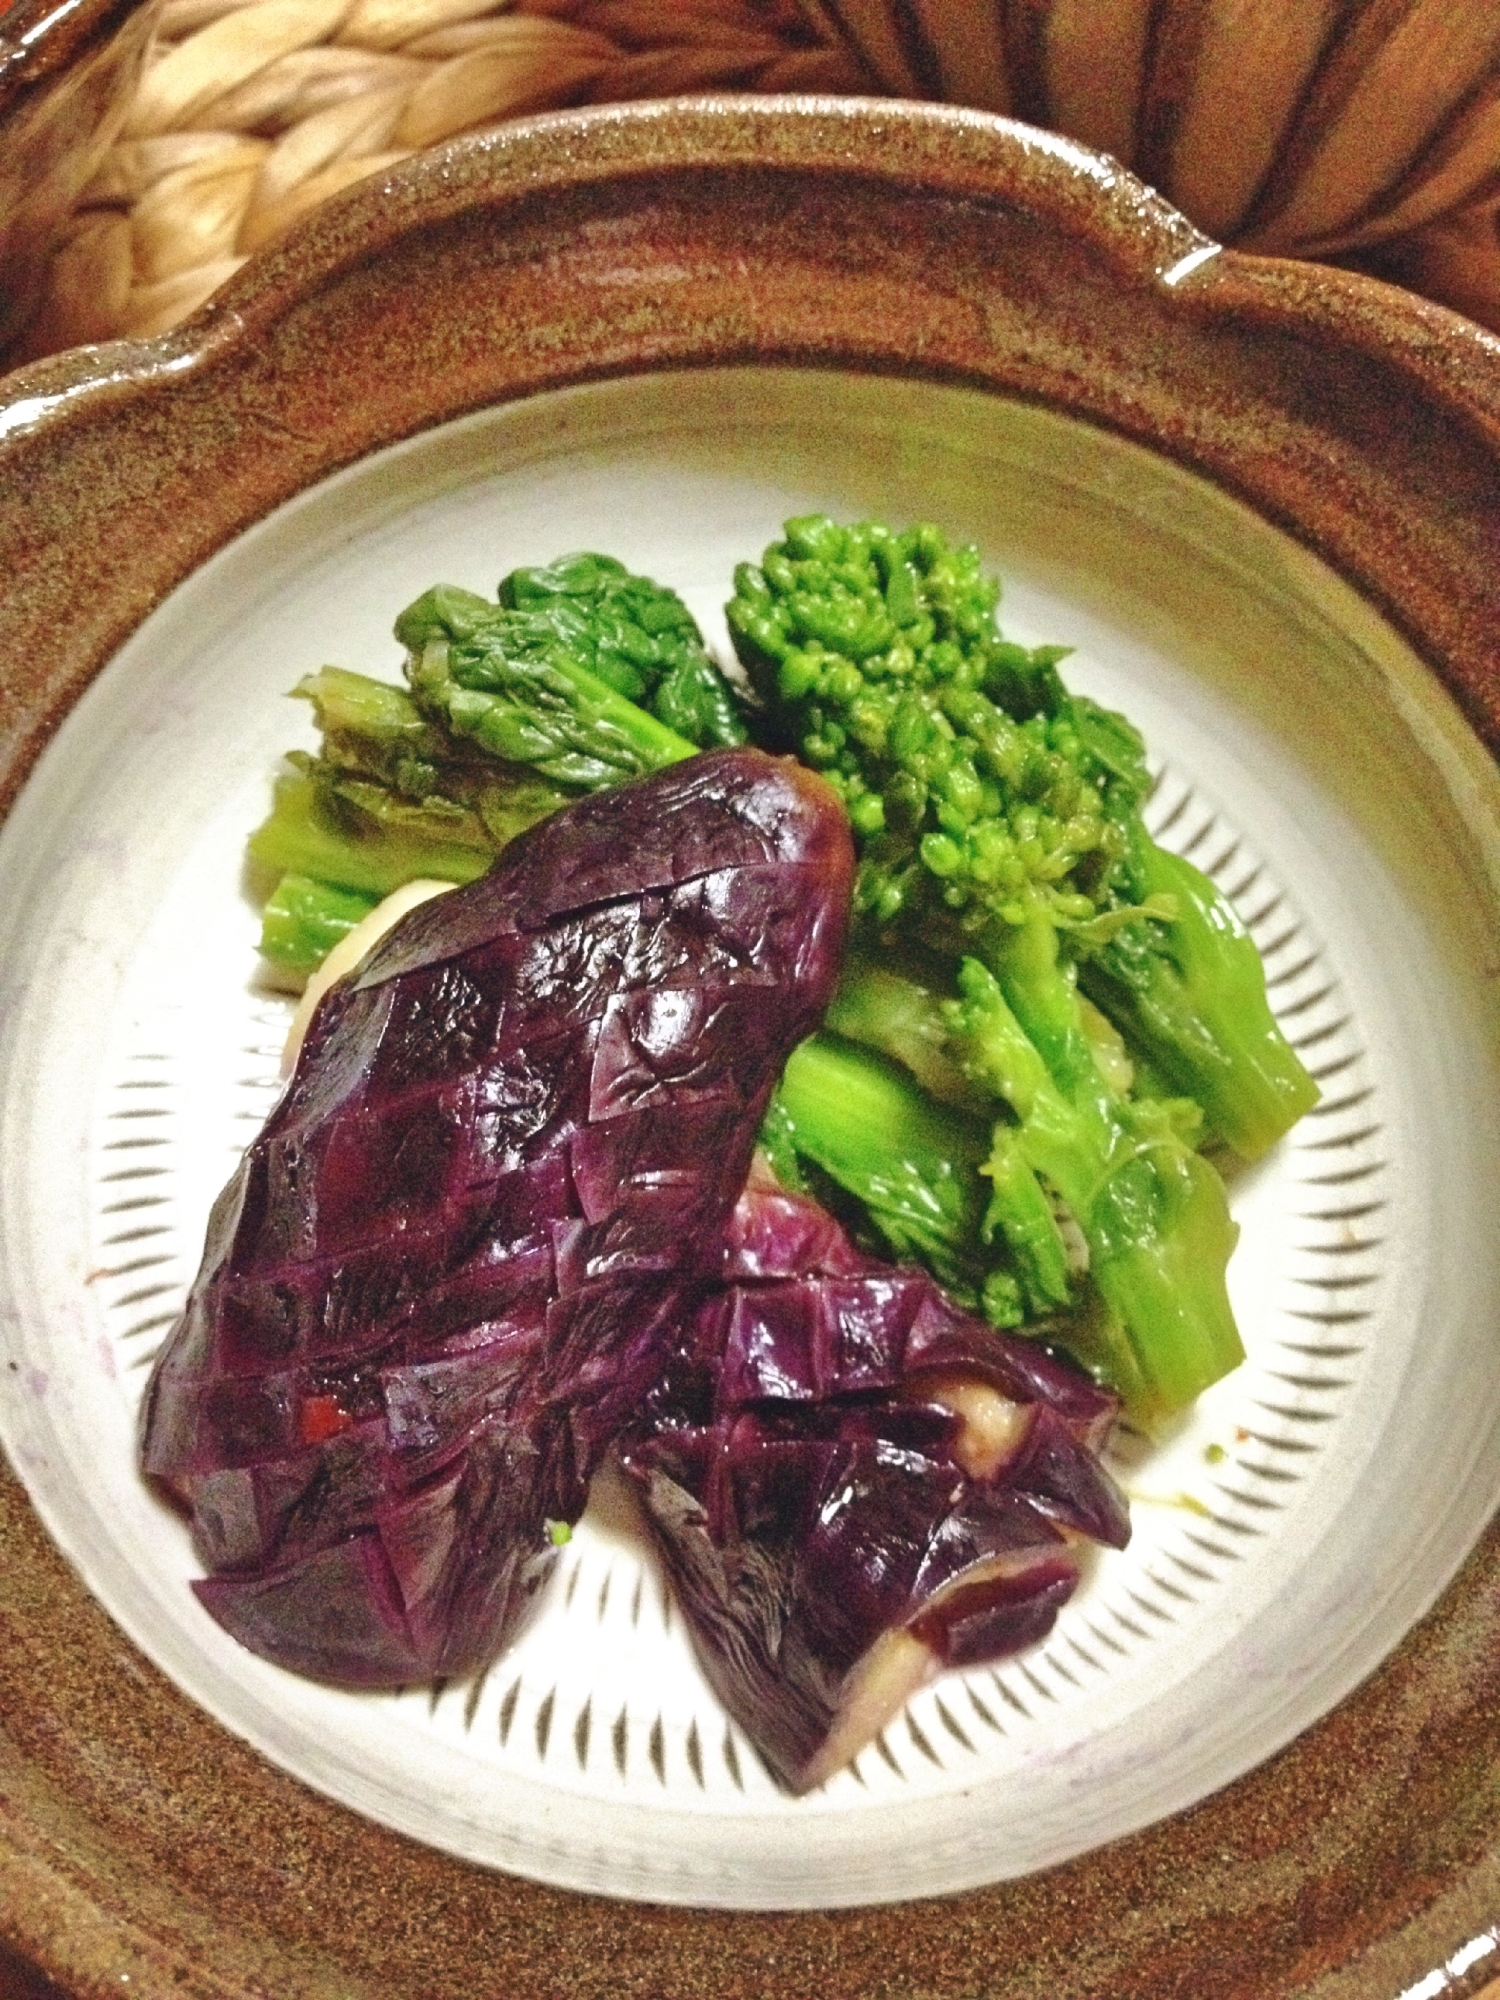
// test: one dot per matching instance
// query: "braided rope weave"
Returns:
(1367, 130)
(254, 111)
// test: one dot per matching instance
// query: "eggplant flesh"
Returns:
(500, 1223)
(853, 1485)
(461, 1252)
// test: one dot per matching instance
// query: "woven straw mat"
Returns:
(1362, 130)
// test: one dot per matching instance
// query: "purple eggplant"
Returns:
(464, 1246)
(853, 1484)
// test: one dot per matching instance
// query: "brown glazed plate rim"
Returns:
(142, 1849)
(41, 38)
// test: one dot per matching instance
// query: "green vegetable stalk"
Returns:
(998, 820)
(914, 1165)
(892, 1008)
(1152, 1211)
(578, 676)
(357, 835)
(304, 919)
(1190, 993)
(1043, 1014)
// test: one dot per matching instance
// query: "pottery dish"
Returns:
(67, 76)
(1262, 504)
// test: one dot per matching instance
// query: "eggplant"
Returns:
(463, 1249)
(853, 1485)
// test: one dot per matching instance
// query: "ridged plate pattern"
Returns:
(602, 1691)
(1286, 1533)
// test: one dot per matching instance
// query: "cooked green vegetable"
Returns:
(1043, 1014)
(304, 919)
(977, 786)
(507, 682)
(998, 819)
(899, 1009)
(984, 795)
(1190, 993)
(578, 676)
(1152, 1212)
(358, 834)
(553, 636)
(914, 1165)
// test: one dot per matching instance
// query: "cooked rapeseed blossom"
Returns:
(974, 781)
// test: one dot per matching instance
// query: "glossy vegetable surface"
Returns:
(854, 1484)
(576, 677)
(998, 820)
(452, 1264)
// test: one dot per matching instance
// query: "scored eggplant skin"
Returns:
(809, 1478)
(453, 1263)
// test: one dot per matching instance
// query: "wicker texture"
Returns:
(1362, 130)
(254, 111)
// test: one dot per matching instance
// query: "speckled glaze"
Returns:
(67, 74)
(144, 1850)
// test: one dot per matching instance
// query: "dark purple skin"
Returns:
(805, 1494)
(457, 1257)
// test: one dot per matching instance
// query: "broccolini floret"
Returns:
(999, 823)
(983, 793)
(978, 787)
(1043, 1014)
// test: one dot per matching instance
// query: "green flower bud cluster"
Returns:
(960, 757)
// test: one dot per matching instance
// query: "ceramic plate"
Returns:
(1287, 1535)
